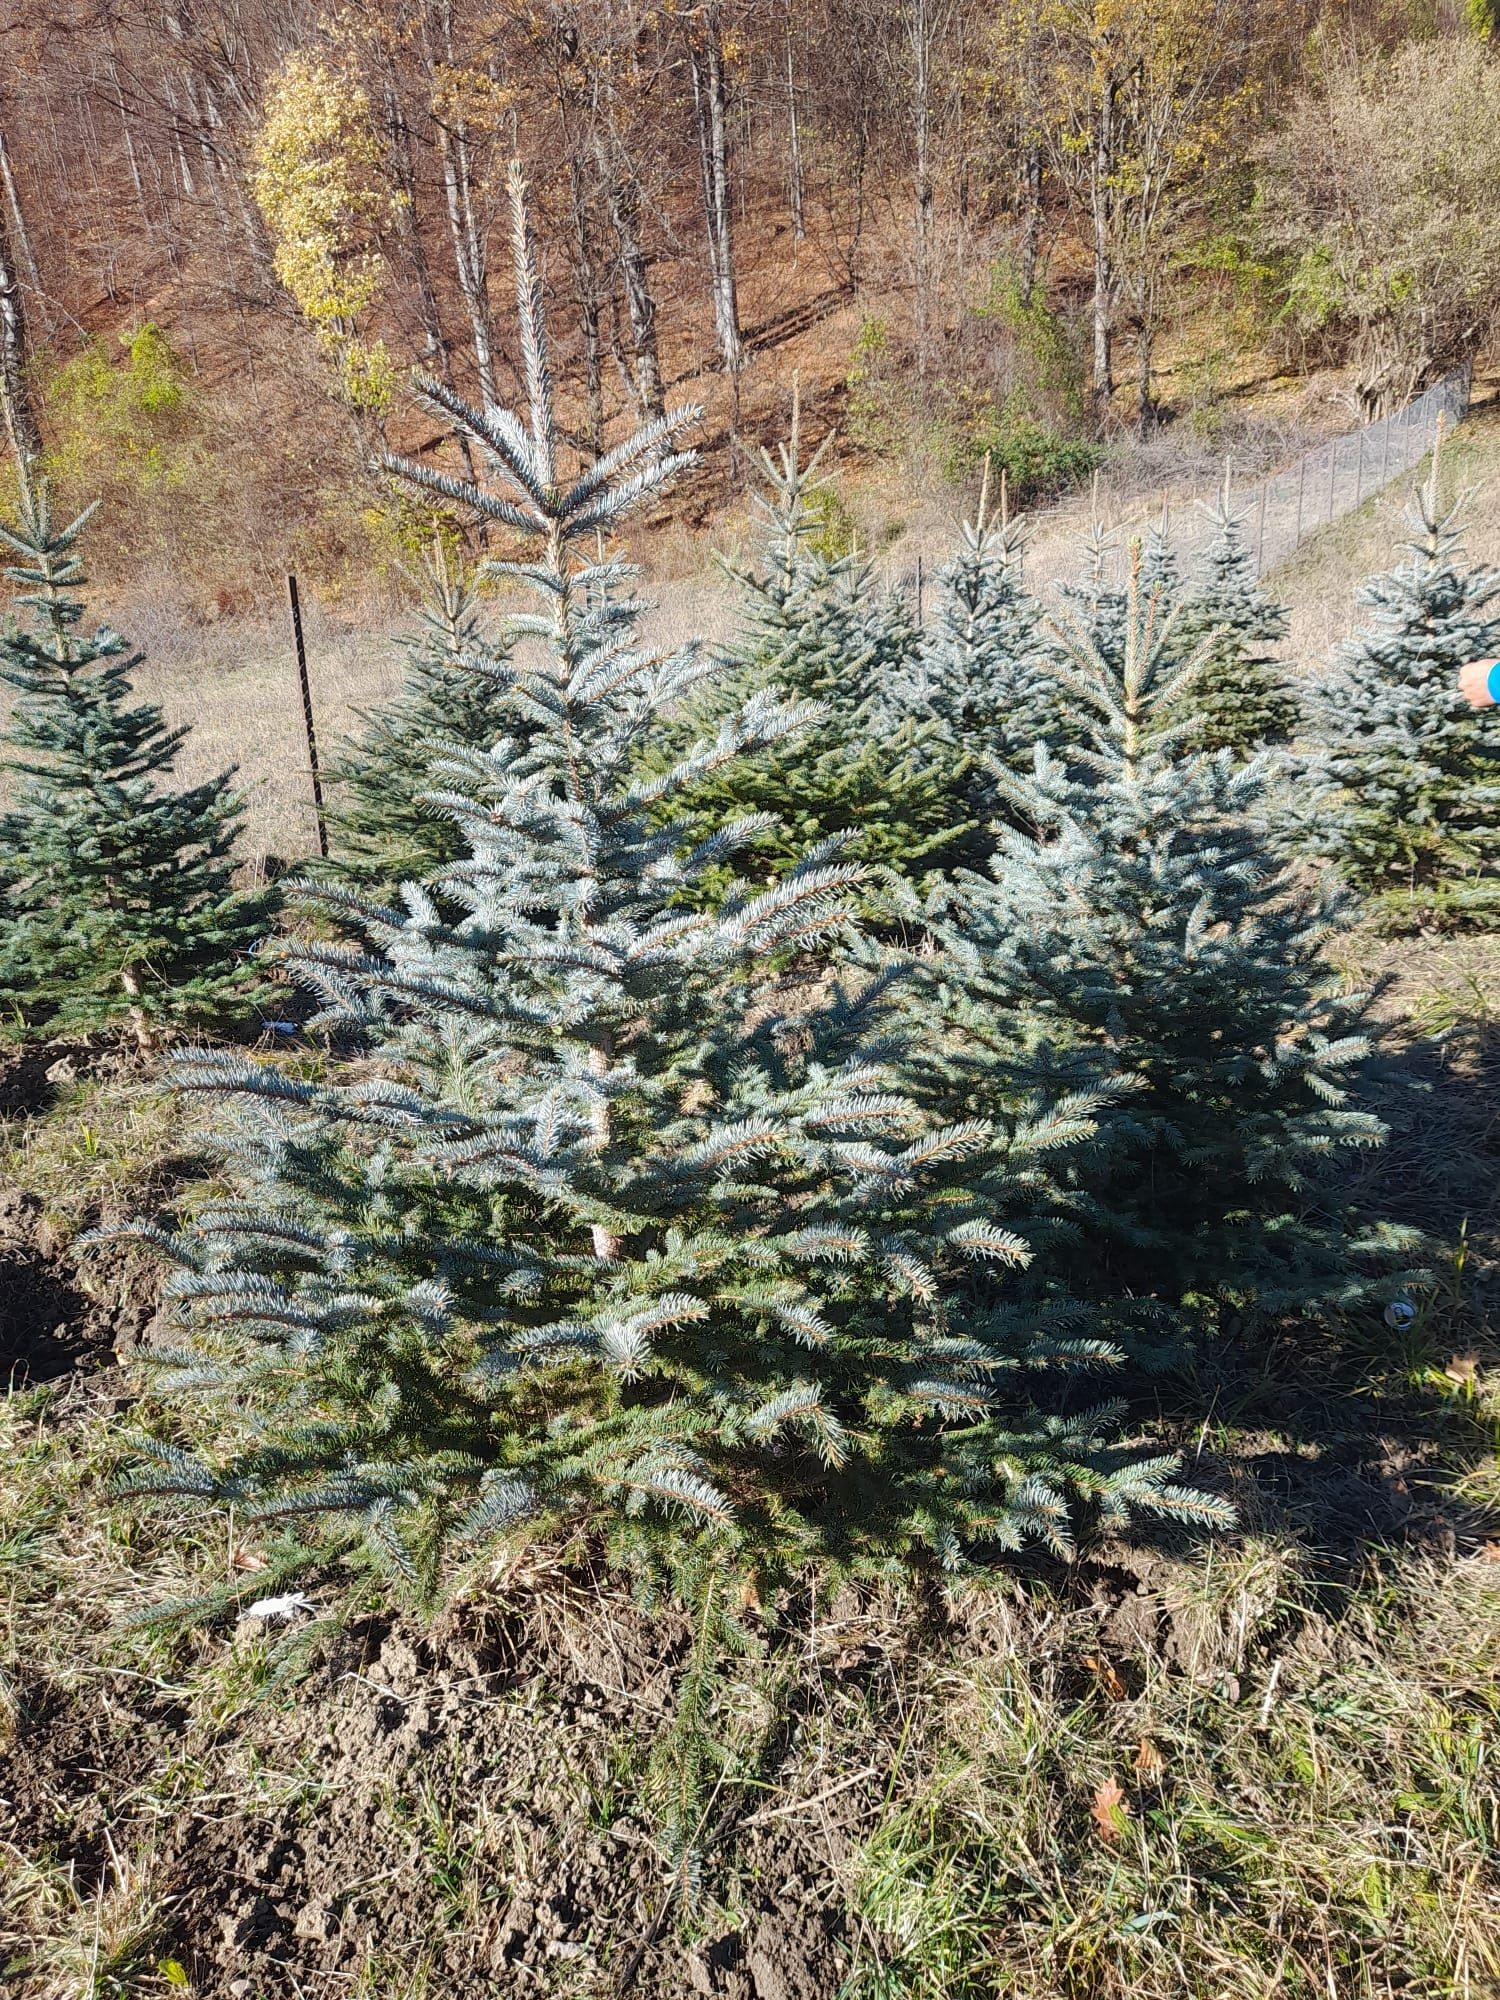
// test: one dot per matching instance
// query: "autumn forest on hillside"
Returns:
(232, 231)
(750, 999)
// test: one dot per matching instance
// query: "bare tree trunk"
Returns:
(710, 106)
(403, 170)
(132, 164)
(1103, 312)
(185, 182)
(1145, 409)
(795, 190)
(470, 255)
(573, 111)
(469, 252)
(21, 234)
(589, 308)
(625, 219)
(920, 29)
(1031, 227)
(15, 387)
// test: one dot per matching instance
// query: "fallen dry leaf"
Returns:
(1103, 1671)
(1149, 1762)
(1462, 1367)
(1110, 1811)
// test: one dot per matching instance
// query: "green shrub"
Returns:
(1042, 335)
(879, 411)
(1038, 460)
(132, 423)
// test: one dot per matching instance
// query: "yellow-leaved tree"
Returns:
(317, 182)
(1139, 103)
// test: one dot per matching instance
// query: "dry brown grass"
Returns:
(1235, 1771)
(1320, 580)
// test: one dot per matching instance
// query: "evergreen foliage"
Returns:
(612, 1213)
(116, 888)
(1235, 699)
(1144, 942)
(818, 626)
(383, 831)
(976, 675)
(1095, 604)
(1238, 700)
(1402, 783)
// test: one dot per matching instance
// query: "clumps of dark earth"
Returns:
(60, 1311)
(62, 1308)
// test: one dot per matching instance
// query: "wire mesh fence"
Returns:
(1278, 511)
(1325, 483)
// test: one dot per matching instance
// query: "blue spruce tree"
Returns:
(1144, 943)
(1401, 788)
(1238, 700)
(117, 899)
(619, 1210)
(818, 625)
(1095, 603)
(975, 677)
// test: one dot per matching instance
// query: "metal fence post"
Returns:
(307, 716)
(1260, 532)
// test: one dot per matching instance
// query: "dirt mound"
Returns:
(44, 1318)
(56, 1313)
(494, 1773)
(85, 1137)
(538, 1837)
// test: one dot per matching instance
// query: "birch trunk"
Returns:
(710, 107)
(470, 254)
(15, 355)
(22, 235)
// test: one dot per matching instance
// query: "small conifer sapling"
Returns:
(1238, 699)
(118, 901)
(975, 674)
(383, 830)
(817, 625)
(1401, 783)
(1145, 942)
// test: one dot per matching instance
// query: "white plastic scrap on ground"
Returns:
(271, 1608)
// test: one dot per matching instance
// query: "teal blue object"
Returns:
(1492, 681)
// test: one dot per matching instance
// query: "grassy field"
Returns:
(1263, 1765)
(1259, 1765)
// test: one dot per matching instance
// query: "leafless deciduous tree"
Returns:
(1383, 197)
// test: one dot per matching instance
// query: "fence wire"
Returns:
(1280, 511)
(1325, 483)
